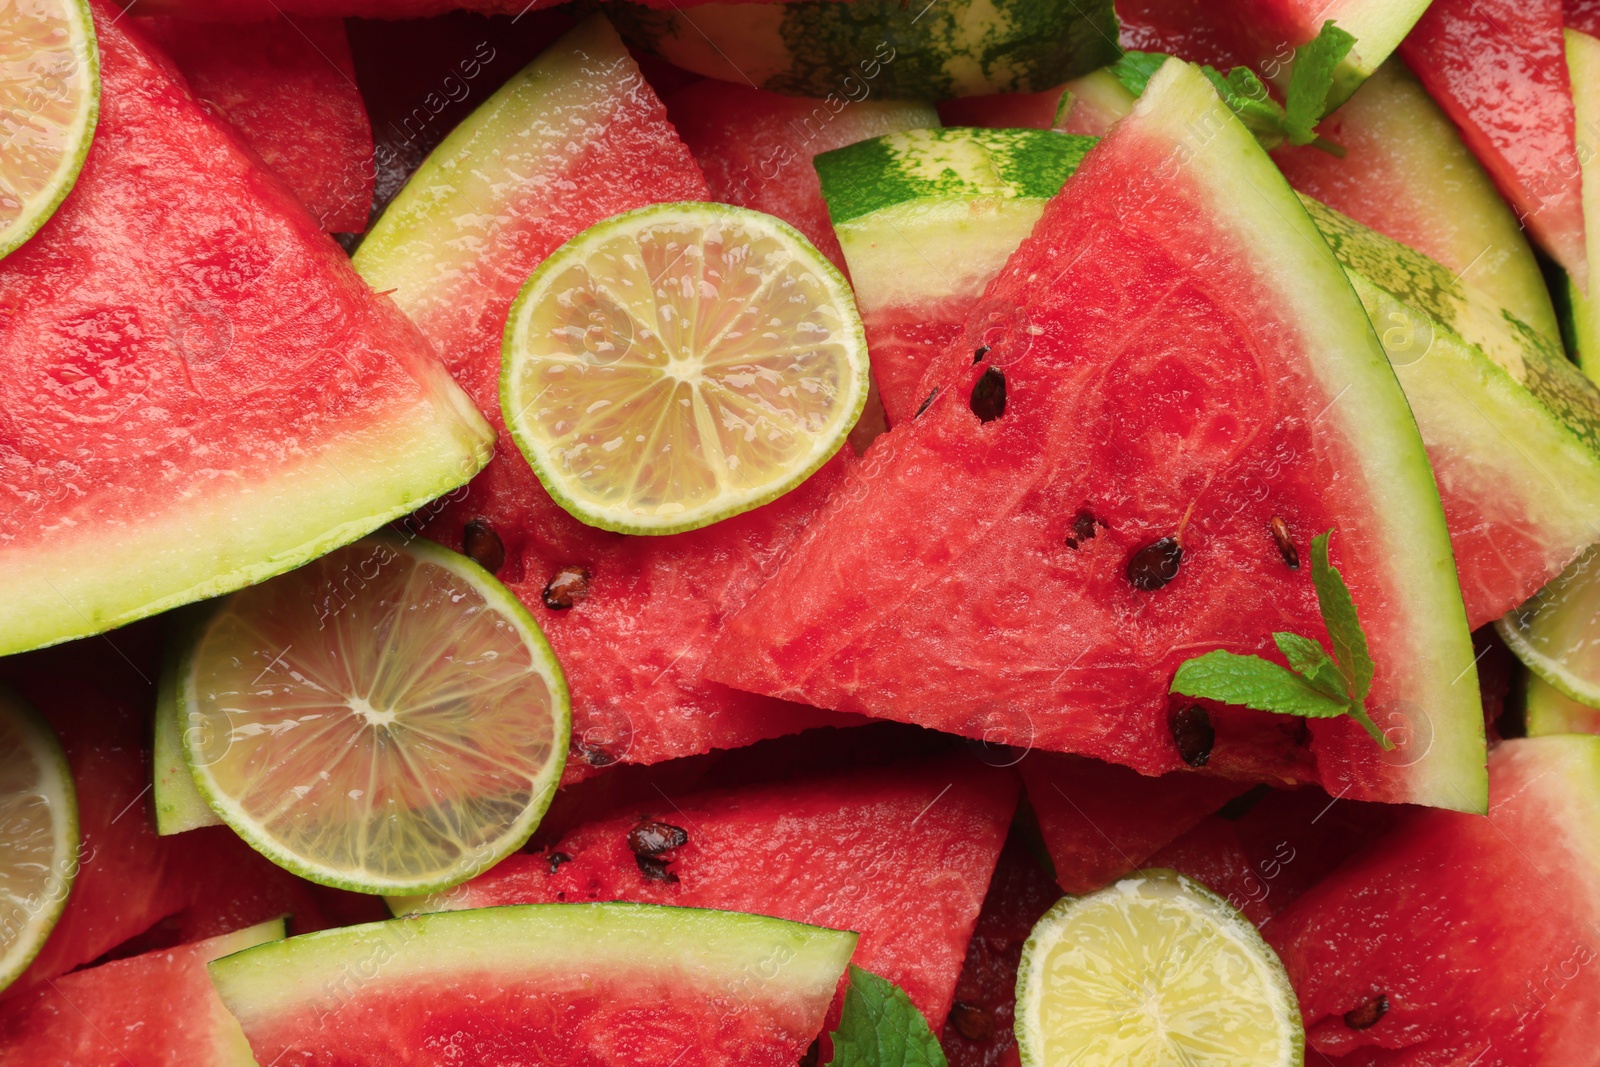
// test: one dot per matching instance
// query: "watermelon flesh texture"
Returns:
(582, 985)
(946, 592)
(261, 10)
(201, 393)
(755, 147)
(901, 856)
(1479, 932)
(155, 1008)
(289, 88)
(1499, 70)
(634, 649)
(1100, 821)
(1583, 16)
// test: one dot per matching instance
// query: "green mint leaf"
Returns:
(1312, 80)
(880, 1027)
(1253, 682)
(1135, 69)
(1308, 658)
(1339, 616)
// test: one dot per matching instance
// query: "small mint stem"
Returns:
(1359, 714)
(1335, 150)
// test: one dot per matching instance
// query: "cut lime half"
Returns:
(39, 842)
(1557, 632)
(49, 101)
(387, 719)
(679, 364)
(1150, 971)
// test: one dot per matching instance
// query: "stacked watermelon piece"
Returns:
(1132, 368)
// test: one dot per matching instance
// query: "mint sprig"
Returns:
(880, 1027)
(1314, 685)
(1246, 95)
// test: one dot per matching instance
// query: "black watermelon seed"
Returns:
(1154, 565)
(652, 838)
(1082, 528)
(926, 401)
(983, 350)
(1244, 803)
(654, 870)
(567, 589)
(557, 859)
(1193, 734)
(1286, 549)
(593, 755)
(988, 400)
(483, 546)
(1367, 1016)
(971, 1021)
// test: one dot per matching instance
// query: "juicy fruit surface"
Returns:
(942, 618)
(1499, 70)
(288, 87)
(571, 984)
(1554, 632)
(37, 855)
(901, 856)
(1153, 969)
(155, 1008)
(634, 646)
(679, 364)
(180, 318)
(402, 765)
(1509, 901)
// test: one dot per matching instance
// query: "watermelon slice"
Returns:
(1100, 821)
(1583, 16)
(1456, 934)
(585, 985)
(1499, 70)
(976, 576)
(256, 11)
(900, 855)
(456, 247)
(156, 1008)
(201, 393)
(755, 147)
(289, 88)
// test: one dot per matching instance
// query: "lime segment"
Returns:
(1150, 971)
(49, 101)
(1557, 632)
(679, 364)
(39, 846)
(387, 719)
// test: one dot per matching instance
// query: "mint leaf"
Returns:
(1135, 69)
(1253, 682)
(880, 1027)
(1312, 80)
(1308, 658)
(1339, 616)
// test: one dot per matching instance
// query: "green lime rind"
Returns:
(619, 520)
(26, 922)
(1181, 901)
(179, 805)
(1553, 633)
(886, 48)
(85, 45)
(1547, 711)
(470, 865)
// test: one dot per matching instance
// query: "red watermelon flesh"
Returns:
(1478, 932)
(1001, 111)
(1499, 69)
(978, 1031)
(955, 589)
(261, 10)
(1100, 821)
(901, 856)
(755, 147)
(289, 88)
(634, 649)
(1212, 855)
(1582, 15)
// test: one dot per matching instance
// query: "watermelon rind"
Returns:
(1110, 955)
(727, 956)
(179, 805)
(1547, 710)
(29, 907)
(1583, 63)
(1378, 27)
(843, 52)
(1553, 633)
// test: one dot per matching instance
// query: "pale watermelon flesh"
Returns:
(571, 985)
(155, 1008)
(200, 392)
(958, 587)
(456, 247)
(1509, 901)
(289, 88)
(900, 855)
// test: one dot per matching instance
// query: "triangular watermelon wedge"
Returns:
(1189, 363)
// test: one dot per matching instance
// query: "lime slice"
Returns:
(680, 364)
(1151, 971)
(387, 719)
(39, 843)
(179, 805)
(1557, 632)
(49, 101)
